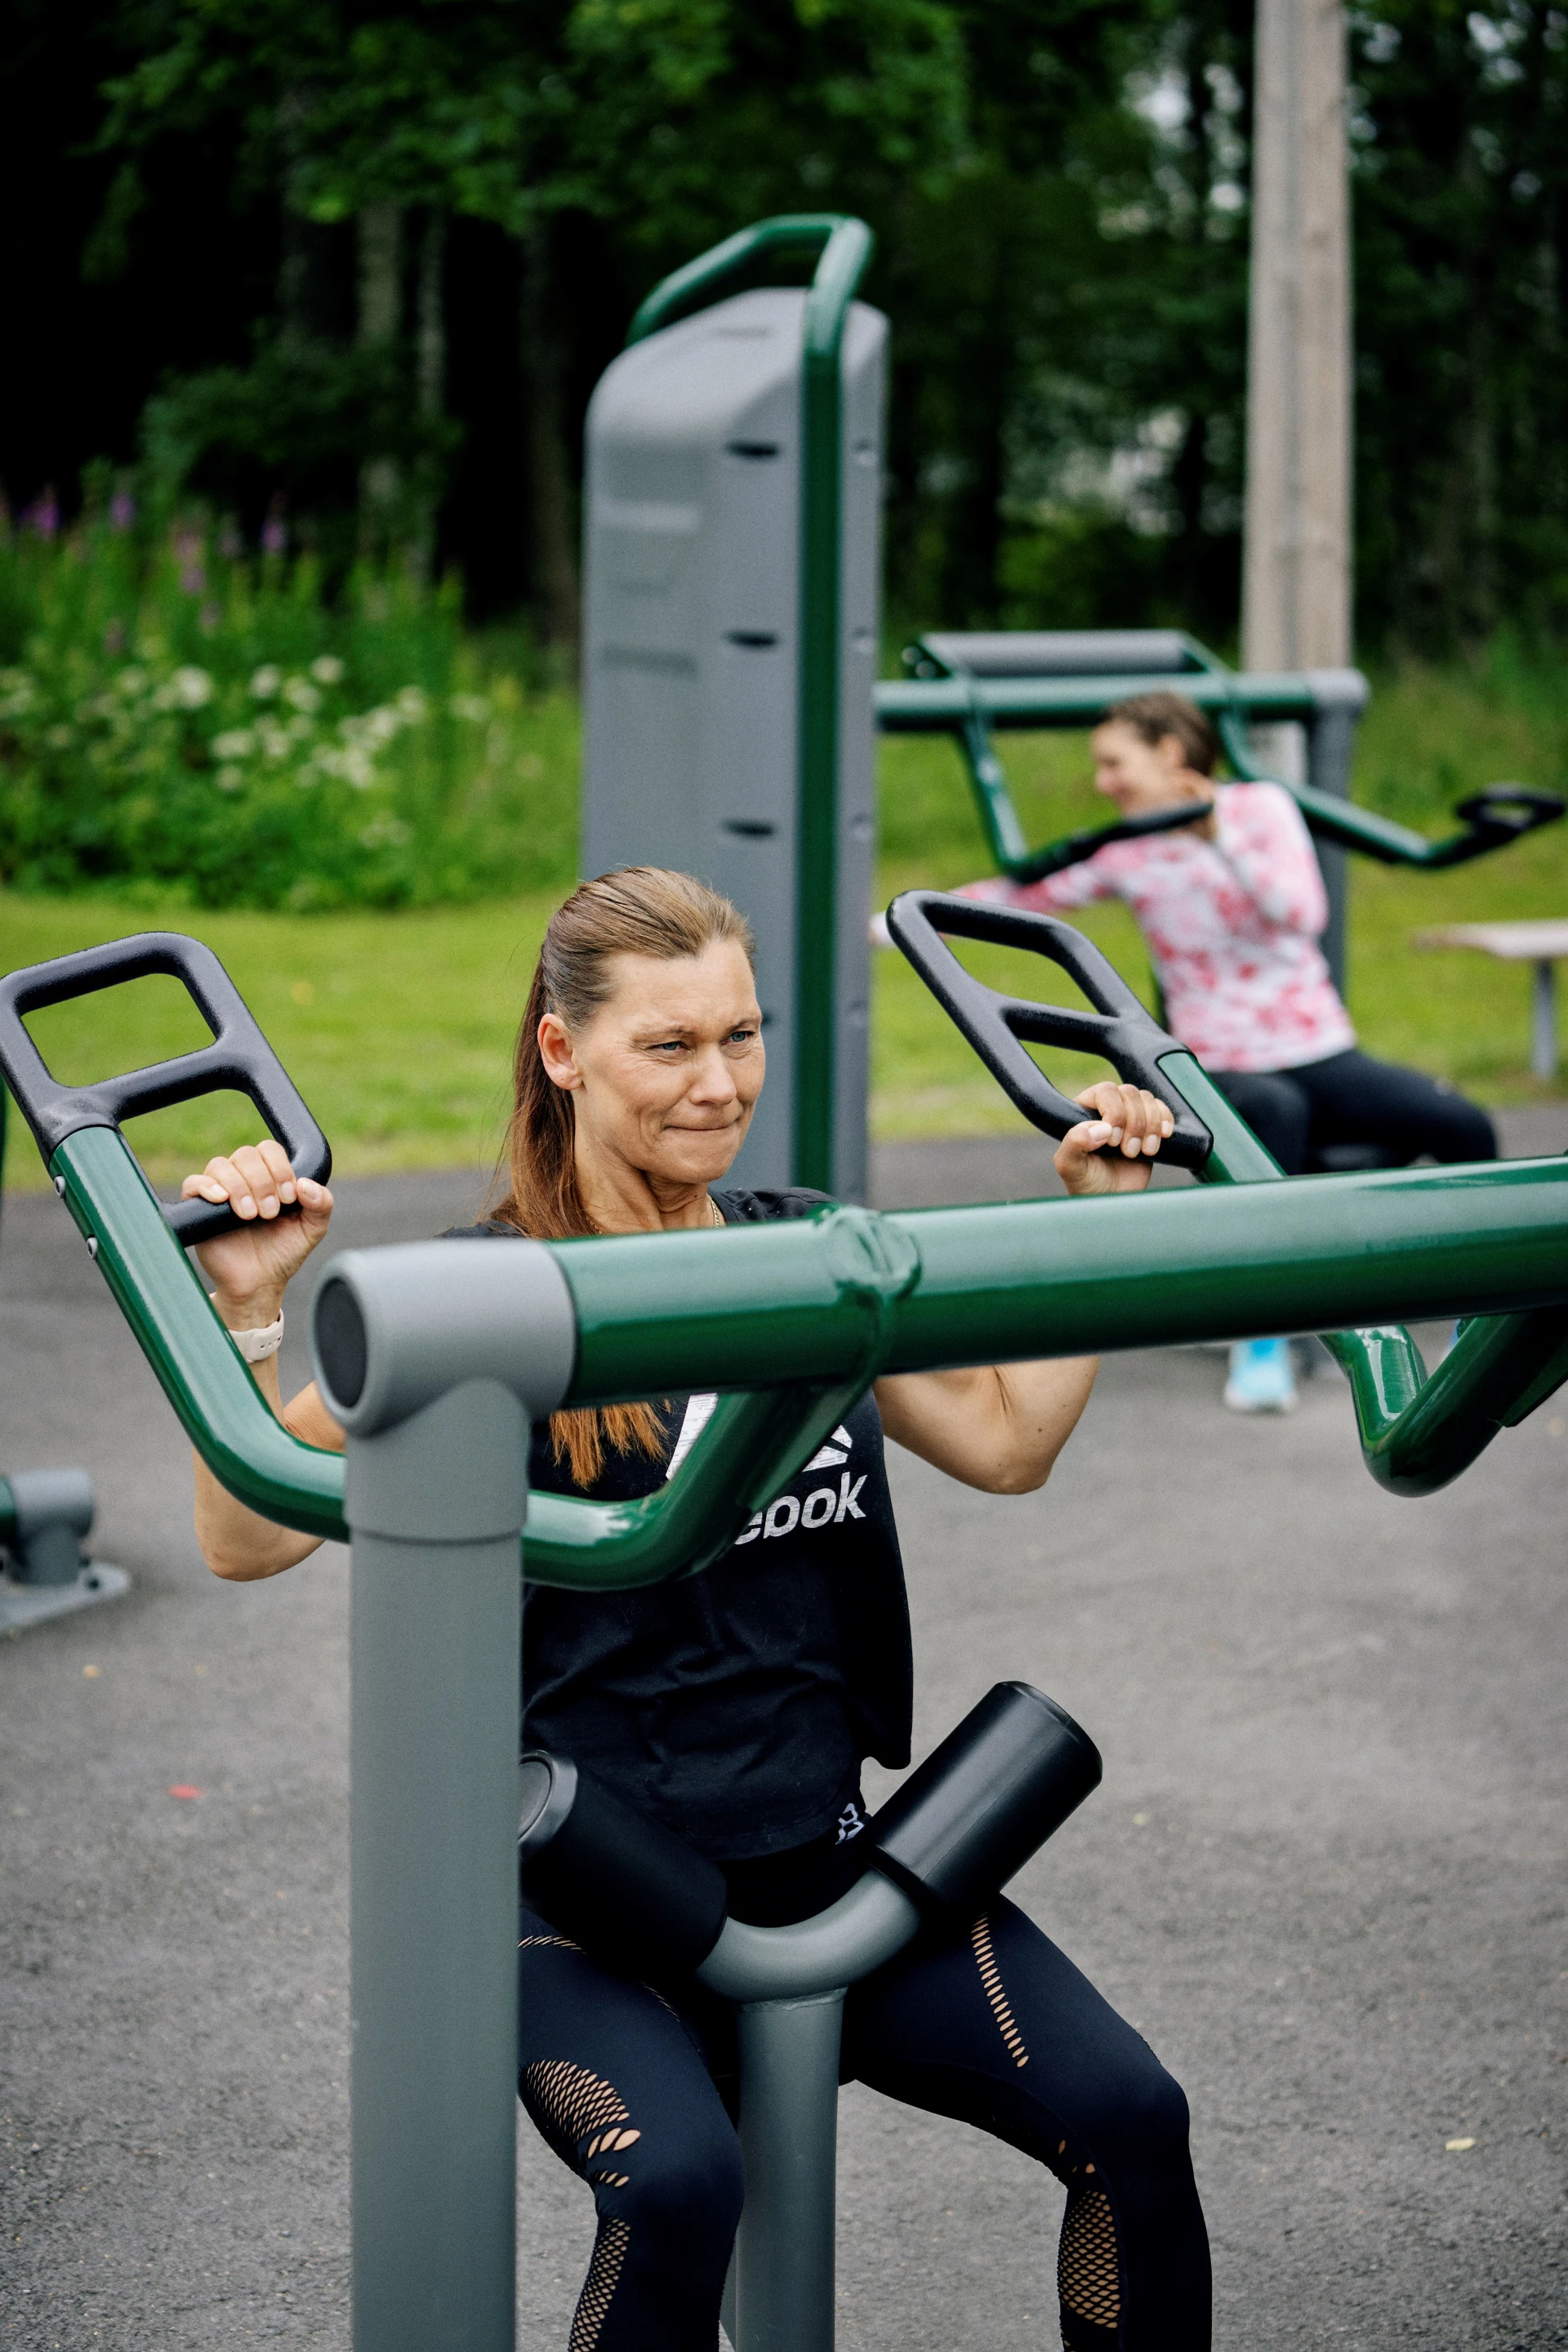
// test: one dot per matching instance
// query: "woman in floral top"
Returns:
(1232, 908)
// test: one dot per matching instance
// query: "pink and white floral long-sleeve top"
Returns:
(1232, 928)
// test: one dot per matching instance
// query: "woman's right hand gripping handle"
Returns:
(249, 1270)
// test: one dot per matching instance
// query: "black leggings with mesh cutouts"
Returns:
(632, 2088)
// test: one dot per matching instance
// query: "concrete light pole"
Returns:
(1296, 584)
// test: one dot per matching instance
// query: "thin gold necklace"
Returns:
(715, 1217)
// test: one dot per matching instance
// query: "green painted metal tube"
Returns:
(938, 705)
(159, 1291)
(1417, 1430)
(696, 282)
(1071, 1277)
(826, 1302)
(753, 1446)
(844, 259)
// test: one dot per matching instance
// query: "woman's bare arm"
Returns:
(249, 1270)
(1000, 1427)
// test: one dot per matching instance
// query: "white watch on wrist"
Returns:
(258, 1344)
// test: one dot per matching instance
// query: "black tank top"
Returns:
(737, 1706)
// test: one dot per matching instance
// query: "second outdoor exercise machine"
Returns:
(973, 684)
(437, 1359)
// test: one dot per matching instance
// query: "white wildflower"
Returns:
(267, 681)
(300, 727)
(58, 738)
(234, 743)
(17, 693)
(302, 694)
(475, 708)
(186, 689)
(327, 670)
(412, 703)
(230, 780)
(354, 764)
(132, 682)
(273, 739)
(373, 727)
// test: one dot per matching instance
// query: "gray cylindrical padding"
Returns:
(394, 1329)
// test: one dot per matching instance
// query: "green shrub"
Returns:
(177, 719)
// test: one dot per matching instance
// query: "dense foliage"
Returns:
(355, 265)
(178, 719)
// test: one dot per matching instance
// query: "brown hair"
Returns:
(637, 910)
(1156, 716)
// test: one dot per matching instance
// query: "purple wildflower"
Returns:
(275, 531)
(121, 509)
(43, 515)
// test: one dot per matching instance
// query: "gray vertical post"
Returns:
(1339, 697)
(435, 1505)
(1543, 1020)
(789, 2138)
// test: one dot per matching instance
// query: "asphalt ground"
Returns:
(1325, 1874)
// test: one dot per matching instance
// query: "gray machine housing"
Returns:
(691, 659)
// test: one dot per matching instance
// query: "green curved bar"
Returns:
(751, 1448)
(1418, 1430)
(687, 288)
(1364, 830)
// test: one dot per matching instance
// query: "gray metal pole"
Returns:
(1543, 1020)
(1339, 697)
(435, 1505)
(789, 2140)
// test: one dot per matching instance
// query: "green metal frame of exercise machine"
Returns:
(970, 687)
(437, 1359)
(844, 247)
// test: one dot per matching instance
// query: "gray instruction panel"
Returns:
(691, 656)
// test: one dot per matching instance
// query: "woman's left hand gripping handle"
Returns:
(251, 1267)
(1113, 1150)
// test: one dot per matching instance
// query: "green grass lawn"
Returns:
(399, 1027)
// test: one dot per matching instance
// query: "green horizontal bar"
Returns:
(941, 705)
(1023, 1279)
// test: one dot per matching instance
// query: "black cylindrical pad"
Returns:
(1000, 1784)
(628, 1890)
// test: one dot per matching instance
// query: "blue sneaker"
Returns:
(1262, 1377)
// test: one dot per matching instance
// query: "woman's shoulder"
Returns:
(738, 1206)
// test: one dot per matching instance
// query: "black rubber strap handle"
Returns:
(1500, 814)
(238, 1057)
(1119, 1030)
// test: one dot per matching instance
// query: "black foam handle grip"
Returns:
(1000, 1784)
(1120, 1029)
(628, 1889)
(238, 1057)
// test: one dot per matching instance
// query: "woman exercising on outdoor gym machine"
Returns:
(1232, 908)
(737, 1706)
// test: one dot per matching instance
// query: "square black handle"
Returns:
(239, 1057)
(1121, 1030)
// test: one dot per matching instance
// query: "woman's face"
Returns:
(1136, 775)
(666, 1073)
